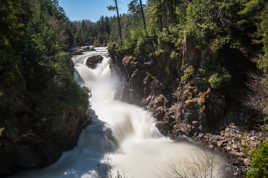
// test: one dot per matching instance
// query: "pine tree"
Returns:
(118, 18)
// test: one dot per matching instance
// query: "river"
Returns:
(122, 141)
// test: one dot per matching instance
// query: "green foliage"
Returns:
(106, 30)
(265, 110)
(12, 17)
(133, 7)
(188, 73)
(1, 131)
(264, 82)
(134, 44)
(259, 163)
(37, 83)
(202, 28)
(216, 80)
(264, 30)
(252, 5)
(131, 42)
(111, 8)
(140, 43)
(215, 75)
(264, 26)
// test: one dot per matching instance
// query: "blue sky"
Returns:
(91, 9)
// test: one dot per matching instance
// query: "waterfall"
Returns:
(123, 138)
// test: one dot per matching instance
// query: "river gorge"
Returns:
(122, 140)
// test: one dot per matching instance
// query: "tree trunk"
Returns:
(118, 20)
(143, 17)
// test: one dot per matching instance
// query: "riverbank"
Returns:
(215, 118)
(44, 123)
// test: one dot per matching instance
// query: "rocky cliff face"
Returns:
(33, 151)
(191, 108)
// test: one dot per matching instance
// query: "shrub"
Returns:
(217, 79)
(259, 164)
(264, 82)
(135, 38)
(264, 29)
(188, 73)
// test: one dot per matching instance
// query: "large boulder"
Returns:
(93, 61)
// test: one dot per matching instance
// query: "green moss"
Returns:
(259, 164)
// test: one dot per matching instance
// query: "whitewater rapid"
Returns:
(123, 139)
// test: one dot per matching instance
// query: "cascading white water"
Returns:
(123, 138)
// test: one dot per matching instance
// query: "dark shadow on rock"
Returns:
(241, 94)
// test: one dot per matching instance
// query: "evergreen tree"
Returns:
(118, 18)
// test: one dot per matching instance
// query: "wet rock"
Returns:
(81, 50)
(93, 61)
(77, 52)
(159, 101)
(201, 135)
(159, 113)
(89, 48)
(163, 126)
